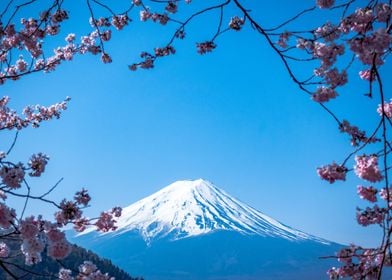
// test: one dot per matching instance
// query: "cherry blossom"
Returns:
(59, 249)
(106, 222)
(4, 250)
(69, 212)
(325, 4)
(205, 47)
(82, 197)
(324, 94)
(283, 38)
(332, 172)
(7, 216)
(370, 216)
(367, 75)
(28, 228)
(38, 163)
(171, 7)
(368, 193)
(387, 109)
(367, 168)
(357, 136)
(236, 23)
(12, 176)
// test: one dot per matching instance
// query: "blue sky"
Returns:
(232, 117)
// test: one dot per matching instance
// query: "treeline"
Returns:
(49, 268)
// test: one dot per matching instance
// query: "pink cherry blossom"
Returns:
(120, 21)
(59, 249)
(168, 50)
(116, 211)
(7, 216)
(328, 32)
(283, 39)
(205, 47)
(370, 216)
(332, 172)
(387, 109)
(236, 23)
(145, 14)
(106, 222)
(367, 75)
(21, 64)
(137, 2)
(12, 176)
(38, 163)
(82, 197)
(357, 135)
(171, 7)
(367, 193)
(324, 94)
(81, 224)
(325, 4)
(28, 228)
(383, 12)
(65, 274)
(366, 168)
(32, 248)
(4, 250)
(106, 58)
(87, 268)
(55, 235)
(161, 18)
(70, 38)
(384, 193)
(69, 212)
(334, 78)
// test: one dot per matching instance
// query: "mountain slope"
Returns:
(190, 208)
(216, 255)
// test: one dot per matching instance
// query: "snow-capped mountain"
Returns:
(193, 207)
(192, 230)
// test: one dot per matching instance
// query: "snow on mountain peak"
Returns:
(194, 207)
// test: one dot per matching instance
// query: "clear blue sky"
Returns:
(232, 117)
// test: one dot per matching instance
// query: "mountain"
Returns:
(194, 230)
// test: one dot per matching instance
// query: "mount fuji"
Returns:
(194, 230)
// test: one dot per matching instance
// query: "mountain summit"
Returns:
(192, 230)
(194, 207)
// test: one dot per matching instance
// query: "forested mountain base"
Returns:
(49, 268)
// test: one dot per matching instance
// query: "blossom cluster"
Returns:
(236, 23)
(33, 115)
(367, 193)
(12, 176)
(369, 216)
(324, 94)
(367, 168)
(106, 221)
(29, 37)
(357, 136)
(385, 109)
(36, 234)
(37, 164)
(7, 216)
(332, 172)
(358, 263)
(325, 4)
(87, 271)
(205, 47)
